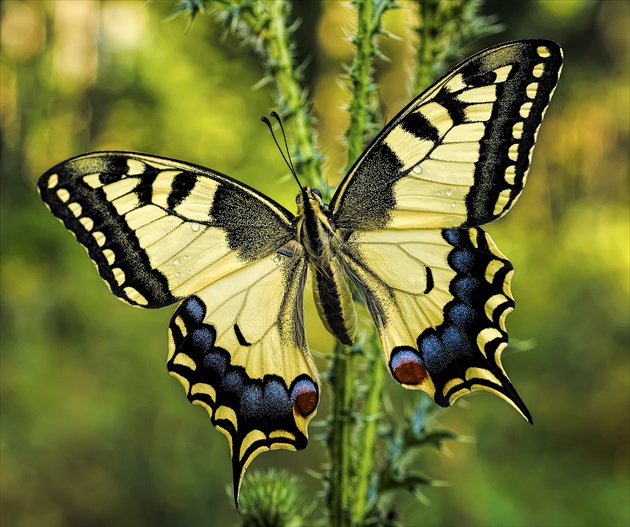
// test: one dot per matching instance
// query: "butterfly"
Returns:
(403, 228)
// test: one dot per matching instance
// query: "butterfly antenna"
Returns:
(287, 158)
(275, 115)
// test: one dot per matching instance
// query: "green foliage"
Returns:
(266, 28)
(445, 28)
(273, 499)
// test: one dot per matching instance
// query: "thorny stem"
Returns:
(351, 474)
(290, 95)
(340, 444)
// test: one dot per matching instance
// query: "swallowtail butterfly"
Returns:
(404, 228)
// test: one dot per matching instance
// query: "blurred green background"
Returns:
(93, 430)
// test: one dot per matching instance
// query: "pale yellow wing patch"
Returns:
(459, 154)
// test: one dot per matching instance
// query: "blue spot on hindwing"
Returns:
(277, 402)
(216, 363)
(452, 236)
(460, 314)
(202, 339)
(252, 401)
(464, 288)
(455, 341)
(432, 350)
(233, 383)
(195, 309)
(462, 260)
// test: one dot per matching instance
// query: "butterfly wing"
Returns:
(238, 348)
(457, 157)
(159, 230)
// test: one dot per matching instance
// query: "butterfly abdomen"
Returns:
(333, 297)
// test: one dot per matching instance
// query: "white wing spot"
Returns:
(134, 296)
(513, 152)
(93, 180)
(417, 169)
(119, 275)
(502, 201)
(63, 194)
(456, 83)
(449, 192)
(135, 167)
(176, 261)
(502, 73)
(531, 90)
(109, 255)
(99, 237)
(517, 130)
(53, 180)
(76, 209)
(538, 70)
(510, 174)
(195, 226)
(87, 223)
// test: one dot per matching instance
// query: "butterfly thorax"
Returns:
(333, 298)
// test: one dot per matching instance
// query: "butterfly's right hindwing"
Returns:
(157, 229)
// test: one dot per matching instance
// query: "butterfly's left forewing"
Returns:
(409, 212)
(158, 229)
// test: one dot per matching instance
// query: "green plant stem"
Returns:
(351, 475)
(360, 76)
(371, 412)
(264, 25)
(444, 28)
(290, 95)
(342, 375)
(425, 51)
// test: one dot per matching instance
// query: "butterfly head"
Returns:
(309, 199)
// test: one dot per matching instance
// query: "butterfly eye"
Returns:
(317, 192)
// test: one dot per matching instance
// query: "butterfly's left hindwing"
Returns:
(238, 348)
